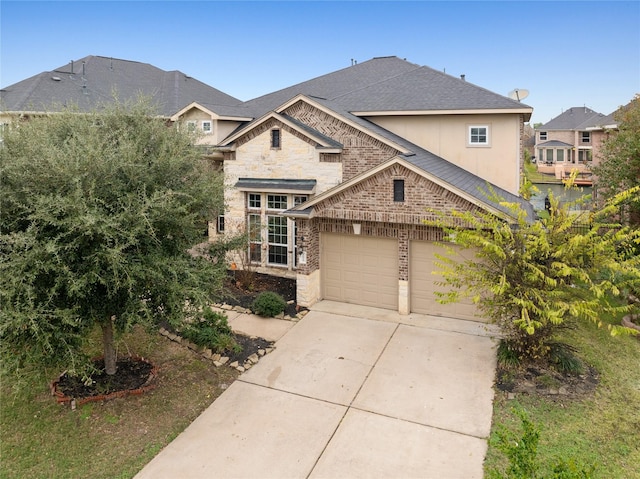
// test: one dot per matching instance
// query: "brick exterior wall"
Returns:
(371, 204)
(372, 199)
(360, 151)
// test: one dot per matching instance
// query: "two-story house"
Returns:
(334, 177)
(571, 141)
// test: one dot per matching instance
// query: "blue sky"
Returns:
(565, 53)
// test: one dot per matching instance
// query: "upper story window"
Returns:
(299, 199)
(277, 202)
(207, 127)
(192, 125)
(275, 138)
(398, 190)
(543, 136)
(585, 137)
(478, 135)
(255, 201)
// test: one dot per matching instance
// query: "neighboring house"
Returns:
(572, 141)
(334, 177)
(94, 80)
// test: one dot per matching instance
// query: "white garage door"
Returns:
(360, 270)
(423, 287)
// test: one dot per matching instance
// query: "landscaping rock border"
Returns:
(219, 360)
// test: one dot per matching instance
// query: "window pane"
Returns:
(254, 228)
(277, 202)
(297, 200)
(549, 155)
(278, 239)
(275, 138)
(560, 156)
(277, 229)
(478, 134)
(254, 200)
(254, 253)
(398, 190)
(277, 254)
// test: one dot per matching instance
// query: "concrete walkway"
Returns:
(349, 392)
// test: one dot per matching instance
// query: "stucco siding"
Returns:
(447, 137)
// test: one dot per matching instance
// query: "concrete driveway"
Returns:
(349, 392)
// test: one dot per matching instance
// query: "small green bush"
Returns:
(269, 304)
(211, 331)
(563, 358)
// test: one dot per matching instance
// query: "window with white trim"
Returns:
(584, 155)
(267, 227)
(543, 136)
(585, 137)
(255, 237)
(478, 135)
(207, 127)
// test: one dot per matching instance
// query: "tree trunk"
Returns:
(109, 347)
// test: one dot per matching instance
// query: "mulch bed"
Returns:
(236, 295)
(538, 380)
(134, 376)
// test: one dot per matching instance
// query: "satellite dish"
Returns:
(518, 94)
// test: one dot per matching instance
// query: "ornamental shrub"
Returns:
(211, 331)
(269, 304)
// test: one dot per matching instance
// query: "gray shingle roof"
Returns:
(264, 184)
(93, 80)
(555, 143)
(575, 118)
(389, 84)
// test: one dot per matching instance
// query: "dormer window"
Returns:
(275, 138)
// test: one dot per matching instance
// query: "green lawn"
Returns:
(603, 429)
(532, 174)
(115, 439)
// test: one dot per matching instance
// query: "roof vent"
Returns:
(56, 78)
(462, 77)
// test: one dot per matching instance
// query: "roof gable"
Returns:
(478, 197)
(261, 124)
(215, 111)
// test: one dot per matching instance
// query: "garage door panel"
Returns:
(423, 283)
(360, 270)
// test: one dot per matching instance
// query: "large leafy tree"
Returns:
(98, 211)
(619, 167)
(533, 277)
